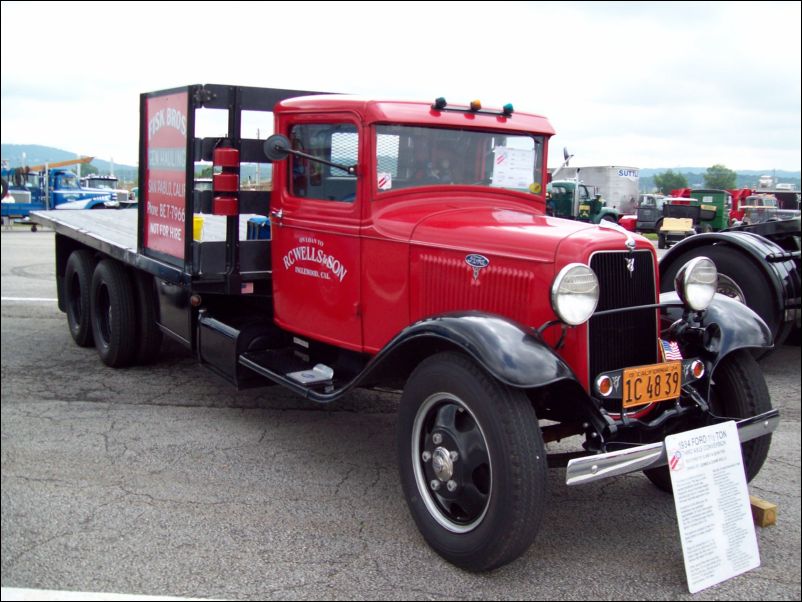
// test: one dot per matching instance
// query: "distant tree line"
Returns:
(716, 177)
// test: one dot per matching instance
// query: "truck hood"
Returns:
(516, 233)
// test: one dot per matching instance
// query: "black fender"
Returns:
(779, 267)
(728, 326)
(514, 354)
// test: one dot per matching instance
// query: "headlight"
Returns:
(696, 283)
(575, 293)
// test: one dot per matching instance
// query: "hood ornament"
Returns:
(629, 243)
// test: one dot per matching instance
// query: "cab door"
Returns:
(315, 231)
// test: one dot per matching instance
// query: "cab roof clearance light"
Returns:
(475, 106)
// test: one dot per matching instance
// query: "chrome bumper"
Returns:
(601, 466)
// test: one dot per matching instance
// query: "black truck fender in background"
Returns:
(752, 269)
(728, 326)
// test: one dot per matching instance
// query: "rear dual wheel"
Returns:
(77, 292)
(113, 308)
(113, 312)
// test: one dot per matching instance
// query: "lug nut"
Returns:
(452, 485)
(454, 456)
(437, 438)
(435, 484)
(426, 456)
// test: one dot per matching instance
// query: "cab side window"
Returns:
(338, 143)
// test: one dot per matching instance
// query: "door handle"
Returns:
(277, 214)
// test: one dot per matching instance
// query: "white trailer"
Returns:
(617, 185)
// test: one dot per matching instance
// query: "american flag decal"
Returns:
(671, 350)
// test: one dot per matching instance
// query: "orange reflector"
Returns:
(604, 385)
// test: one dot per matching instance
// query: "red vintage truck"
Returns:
(408, 246)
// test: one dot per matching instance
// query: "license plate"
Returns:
(648, 384)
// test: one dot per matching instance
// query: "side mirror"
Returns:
(277, 147)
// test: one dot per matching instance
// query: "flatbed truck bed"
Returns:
(114, 233)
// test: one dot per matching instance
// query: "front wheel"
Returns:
(738, 391)
(472, 462)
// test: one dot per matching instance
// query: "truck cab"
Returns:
(574, 200)
(369, 242)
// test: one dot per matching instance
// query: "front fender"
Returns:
(731, 326)
(512, 353)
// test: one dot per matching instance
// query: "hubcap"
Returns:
(442, 465)
(453, 471)
(728, 286)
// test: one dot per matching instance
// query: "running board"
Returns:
(283, 369)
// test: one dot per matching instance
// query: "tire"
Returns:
(495, 511)
(739, 278)
(113, 314)
(738, 391)
(149, 336)
(77, 295)
(661, 241)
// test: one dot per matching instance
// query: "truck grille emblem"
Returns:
(630, 265)
(477, 262)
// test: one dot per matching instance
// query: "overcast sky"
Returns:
(639, 84)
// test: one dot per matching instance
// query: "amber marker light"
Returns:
(476, 105)
(604, 385)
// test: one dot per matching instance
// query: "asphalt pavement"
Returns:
(164, 480)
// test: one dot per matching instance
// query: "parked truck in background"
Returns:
(411, 249)
(593, 193)
(120, 197)
(48, 186)
(618, 186)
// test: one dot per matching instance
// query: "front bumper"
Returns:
(600, 466)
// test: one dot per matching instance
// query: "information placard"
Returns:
(712, 500)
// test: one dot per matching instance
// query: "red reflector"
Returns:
(225, 205)
(226, 157)
(226, 182)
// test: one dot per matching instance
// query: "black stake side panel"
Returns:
(163, 156)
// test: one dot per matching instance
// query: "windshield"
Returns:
(68, 182)
(410, 156)
(100, 183)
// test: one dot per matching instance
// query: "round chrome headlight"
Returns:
(575, 294)
(696, 283)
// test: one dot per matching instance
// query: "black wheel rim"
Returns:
(452, 463)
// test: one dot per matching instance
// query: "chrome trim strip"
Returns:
(600, 466)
